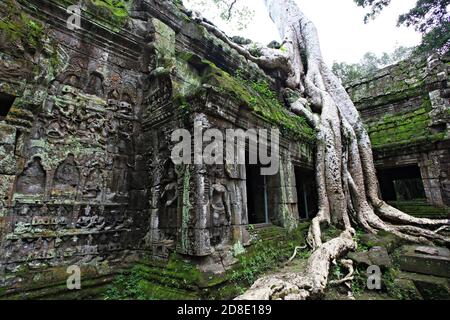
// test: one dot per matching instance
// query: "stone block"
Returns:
(380, 257)
(8, 163)
(382, 239)
(7, 134)
(437, 264)
(429, 287)
(408, 289)
(6, 186)
(360, 258)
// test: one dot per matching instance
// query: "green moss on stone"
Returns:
(187, 206)
(404, 129)
(19, 26)
(256, 95)
(109, 13)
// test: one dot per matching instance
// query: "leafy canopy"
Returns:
(235, 12)
(369, 64)
(429, 17)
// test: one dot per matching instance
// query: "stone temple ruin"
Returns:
(86, 117)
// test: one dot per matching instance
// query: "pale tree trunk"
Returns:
(345, 172)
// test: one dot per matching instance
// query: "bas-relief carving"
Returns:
(94, 182)
(90, 220)
(32, 179)
(67, 176)
(221, 213)
(75, 112)
(169, 206)
(95, 85)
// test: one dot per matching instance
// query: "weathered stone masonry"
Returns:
(86, 119)
(85, 169)
(406, 109)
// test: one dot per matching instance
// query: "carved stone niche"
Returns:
(94, 85)
(220, 214)
(168, 219)
(72, 80)
(33, 178)
(93, 183)
(66, 178)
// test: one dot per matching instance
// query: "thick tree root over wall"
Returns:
(345, 172)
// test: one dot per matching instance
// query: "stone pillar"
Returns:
(430, 168)
(194, 234)
(8, 168)
(283, 195)
(237, 188)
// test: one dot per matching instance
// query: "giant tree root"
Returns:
(307, 285)
(345, 171)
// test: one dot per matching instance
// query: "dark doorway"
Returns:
(401, 184)
(6, 102)
(306, 193)
(257, 201)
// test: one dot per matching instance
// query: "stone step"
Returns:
(429, 287)
(425, 260)
(421, 209)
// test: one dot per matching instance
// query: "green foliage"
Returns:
(369, 64)
(266, 258)
(113, 11)
(255, 51)
(110, 13)
(127, 286)
(361, 245)
(185, 111)
(180, 279)
(359, 283)
(153, 280)
(267, 255)
(235, 13)
(19, 26)
(256, 95)
(264, 102)
(330, 232)
(429, 17)
(336, 272)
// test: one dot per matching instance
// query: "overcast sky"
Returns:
(343, 34)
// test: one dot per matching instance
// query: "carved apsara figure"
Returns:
(168, 219)
(221, 213)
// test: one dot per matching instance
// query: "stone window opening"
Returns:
(402, 184)
(306, 193)
(6, 102)
(257, 194)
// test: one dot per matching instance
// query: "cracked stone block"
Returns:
(419, 262)
(429, 287)
(7, 134)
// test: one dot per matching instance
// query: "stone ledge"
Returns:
(413, 261)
